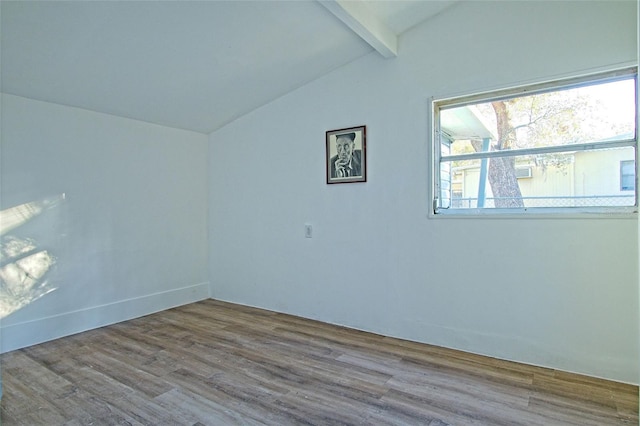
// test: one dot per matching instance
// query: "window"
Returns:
(556, 147)
(627, 175)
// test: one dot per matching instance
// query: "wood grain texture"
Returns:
(216, 363)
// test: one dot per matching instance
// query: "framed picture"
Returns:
(346, 155)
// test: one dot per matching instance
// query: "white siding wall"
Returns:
(598, 172)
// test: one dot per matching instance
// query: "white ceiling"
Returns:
(184, 64)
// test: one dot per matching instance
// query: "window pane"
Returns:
(445, 175)
(554, 131)
(575, 179)
(578, 115)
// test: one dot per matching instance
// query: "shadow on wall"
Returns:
(23, 265)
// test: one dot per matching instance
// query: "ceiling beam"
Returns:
(357, 16)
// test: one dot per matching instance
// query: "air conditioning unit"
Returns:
(523, 172)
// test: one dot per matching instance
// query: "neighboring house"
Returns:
(589, 178)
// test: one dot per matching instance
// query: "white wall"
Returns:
(126, 219)
(556, 292)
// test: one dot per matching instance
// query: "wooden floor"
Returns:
(214, 363)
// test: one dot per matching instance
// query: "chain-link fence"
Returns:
(581, 201)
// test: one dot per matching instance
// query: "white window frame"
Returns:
(459, 101)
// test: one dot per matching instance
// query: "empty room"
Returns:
(319, 212)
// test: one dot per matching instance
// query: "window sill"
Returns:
(538, 213)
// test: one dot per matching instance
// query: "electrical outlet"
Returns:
(308, 231)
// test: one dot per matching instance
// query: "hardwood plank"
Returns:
(576, 390)
(24, 405)
(214, 362)
(123, 372)
(195, 409)
(563, 411)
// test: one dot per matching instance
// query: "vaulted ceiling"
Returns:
(188, 64)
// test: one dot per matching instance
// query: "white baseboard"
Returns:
(30, 333)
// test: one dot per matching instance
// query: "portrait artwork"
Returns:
(346, 159)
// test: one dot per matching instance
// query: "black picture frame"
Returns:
(346, 155)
